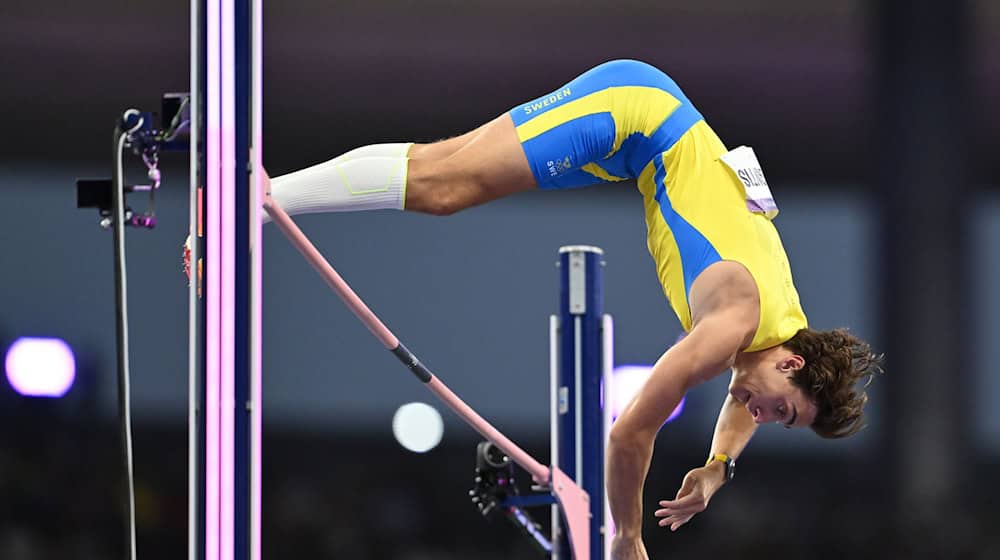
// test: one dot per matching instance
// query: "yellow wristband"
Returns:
(720, 457)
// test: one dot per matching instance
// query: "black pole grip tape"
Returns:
(411, 361)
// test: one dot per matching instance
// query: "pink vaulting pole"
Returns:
(574, 501)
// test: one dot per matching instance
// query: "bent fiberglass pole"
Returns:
(574, 501)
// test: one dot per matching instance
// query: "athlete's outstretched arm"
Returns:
(707, 351)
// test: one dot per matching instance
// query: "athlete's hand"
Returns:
(696, 491)
(628, 549)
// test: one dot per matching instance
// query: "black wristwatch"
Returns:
(726, 460)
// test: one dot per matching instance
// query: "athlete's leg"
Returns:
(485, 164)
(491, 164)
(366, 178)
(442, 148)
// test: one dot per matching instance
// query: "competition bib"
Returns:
(744, 164)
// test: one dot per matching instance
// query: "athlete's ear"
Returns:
(791, 363)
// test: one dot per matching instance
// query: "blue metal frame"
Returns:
(532, 500)
(243, 333)
(580, 425)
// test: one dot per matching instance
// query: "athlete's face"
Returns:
(764, 386)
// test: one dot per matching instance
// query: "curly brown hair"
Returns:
(834, 362)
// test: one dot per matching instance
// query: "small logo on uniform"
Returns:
(559, 166)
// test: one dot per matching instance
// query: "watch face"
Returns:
(730, 469)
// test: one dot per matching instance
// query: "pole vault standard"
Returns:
(573, 501)
(581, 359)
(224, 301)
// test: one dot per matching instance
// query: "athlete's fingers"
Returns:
(668, 521)
(680, 522)
(690, 508)
(682, 501)
(692, 505)
(674, 521)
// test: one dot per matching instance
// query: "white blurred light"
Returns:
(626, 382)
(418, 427)
(40, 367)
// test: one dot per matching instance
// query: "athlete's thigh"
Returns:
(443, 148)
(492, 161)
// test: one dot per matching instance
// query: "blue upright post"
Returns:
(580, 359)
(246, 211)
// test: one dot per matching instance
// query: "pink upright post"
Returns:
(212, 285)
(257, 338)
(574, 501)
(224, 302)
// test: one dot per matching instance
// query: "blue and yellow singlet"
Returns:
(627, 120)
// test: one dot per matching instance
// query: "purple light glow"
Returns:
(627, 382)
(40, 367)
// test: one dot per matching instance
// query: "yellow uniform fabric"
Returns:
(707, 195)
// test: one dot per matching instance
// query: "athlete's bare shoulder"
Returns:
(727, 289)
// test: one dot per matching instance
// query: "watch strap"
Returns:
(726, 460)
(720, 457)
